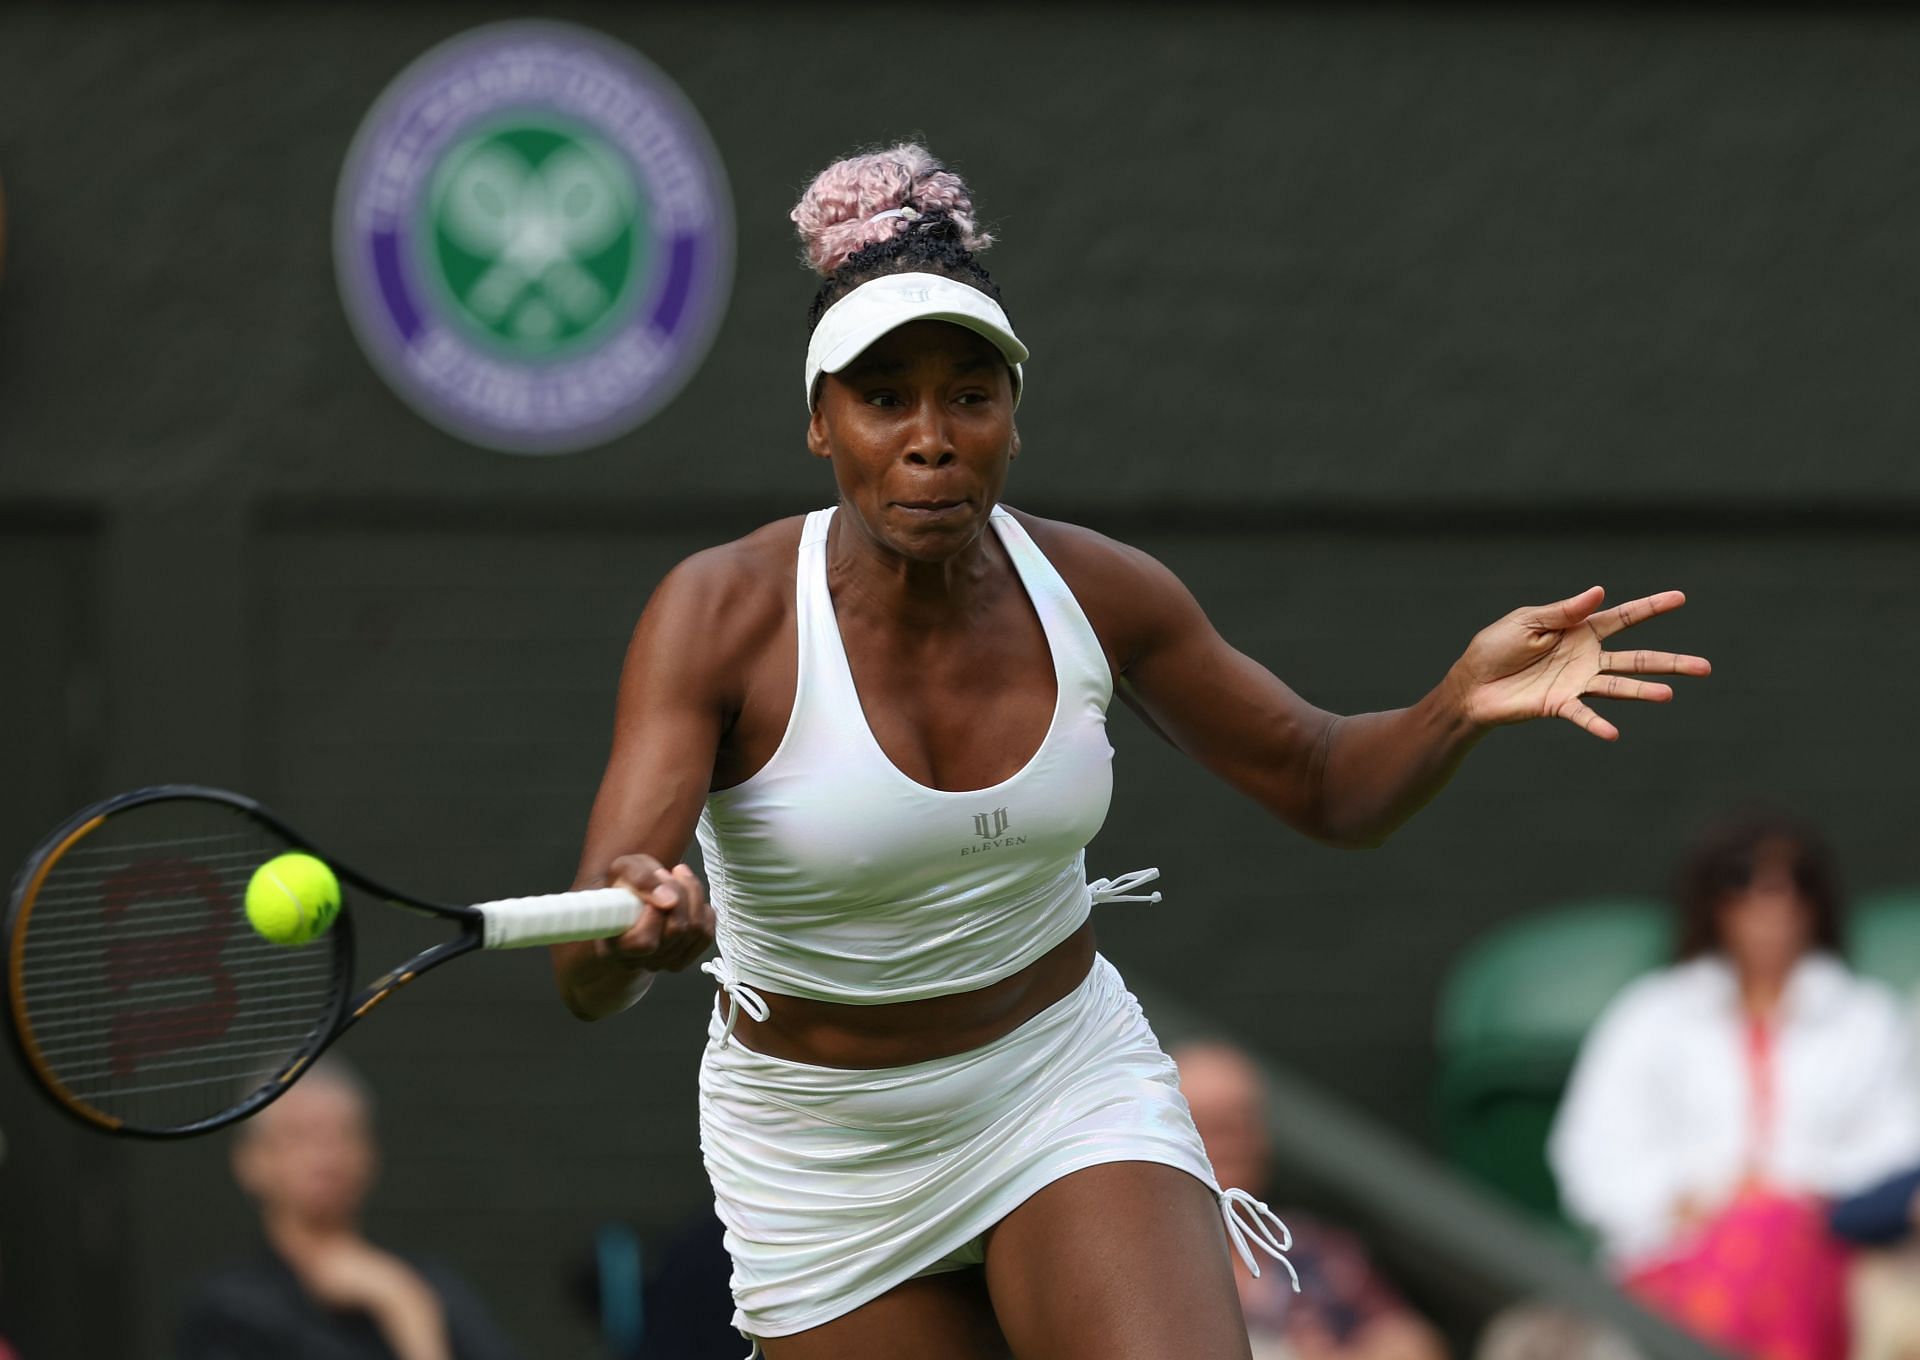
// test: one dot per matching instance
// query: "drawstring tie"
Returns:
(740, 997)
(1121, 889)
(1262, 1228)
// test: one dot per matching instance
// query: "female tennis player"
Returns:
(936, 1124)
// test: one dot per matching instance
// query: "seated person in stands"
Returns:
(317, 1289)
(1718, 1103)
(1345, 1310)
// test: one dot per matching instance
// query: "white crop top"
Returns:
(834, 876)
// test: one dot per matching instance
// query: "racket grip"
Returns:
(519, 922)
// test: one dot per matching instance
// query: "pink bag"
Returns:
(1763, 1280)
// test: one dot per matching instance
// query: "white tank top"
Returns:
(834, 876)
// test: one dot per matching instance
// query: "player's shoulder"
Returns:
(744, 561)
(1119, 586)
(751, 572)
(1076, 550)
(720, 606)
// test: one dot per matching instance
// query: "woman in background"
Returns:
(1718, 1103)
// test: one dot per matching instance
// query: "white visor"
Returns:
(878, 306)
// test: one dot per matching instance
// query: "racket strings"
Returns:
(198, 847)
(146, 995)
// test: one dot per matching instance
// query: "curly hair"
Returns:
(1723, 862)
(845, 239)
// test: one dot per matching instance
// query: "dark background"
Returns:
(1373, 323)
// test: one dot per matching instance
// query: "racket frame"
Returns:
(348, 1005)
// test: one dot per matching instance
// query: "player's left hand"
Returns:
(1542, 661)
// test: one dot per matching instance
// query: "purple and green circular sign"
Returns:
(534, 237)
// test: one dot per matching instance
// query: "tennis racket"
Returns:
(142, 1000)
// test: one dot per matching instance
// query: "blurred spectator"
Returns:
(1345, 1309)
(1716, 1101)
(1545, 1331)
(317, 1289)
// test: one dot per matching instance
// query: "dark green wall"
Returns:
(1373, 324)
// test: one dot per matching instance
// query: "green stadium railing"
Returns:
(1512, 1014)
(1883, 938)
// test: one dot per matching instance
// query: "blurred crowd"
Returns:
(1740, 1134)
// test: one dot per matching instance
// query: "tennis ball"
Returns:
(292, 898)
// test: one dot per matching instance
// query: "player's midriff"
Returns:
(834, 1034)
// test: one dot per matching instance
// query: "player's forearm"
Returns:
(595, 985)
(1377, 769)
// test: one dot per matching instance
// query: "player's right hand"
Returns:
(676, 924)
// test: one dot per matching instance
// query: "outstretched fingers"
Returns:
(1567, 613)
(1587, 720)
(1622, 616)
(1624, 687)
(1643, 662)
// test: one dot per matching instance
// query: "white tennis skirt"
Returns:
(835, 1185)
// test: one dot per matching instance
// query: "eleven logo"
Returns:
(991, 828)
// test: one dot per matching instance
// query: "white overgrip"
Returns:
(594, 914)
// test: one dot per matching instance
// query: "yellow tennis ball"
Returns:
(292, 898)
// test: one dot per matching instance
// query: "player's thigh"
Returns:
(934, 1317)
(1125, 1261)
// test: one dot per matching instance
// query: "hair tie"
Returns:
(910, 214)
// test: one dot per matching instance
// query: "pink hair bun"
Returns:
(835, 215)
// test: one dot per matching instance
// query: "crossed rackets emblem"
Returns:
(535, 225)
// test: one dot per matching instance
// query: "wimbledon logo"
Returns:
(534, 237)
